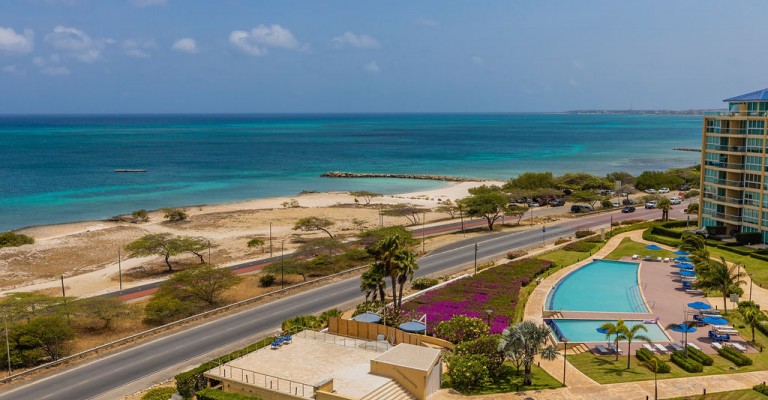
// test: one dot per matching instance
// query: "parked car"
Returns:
(557, 203)
(650, 191)
(628, 209)
(650, 204)
(615, 203)
(675, 200)
(577, 208)
(533, 204)
(567, 192)
(664, 190)
(627, 202)
(684, 188)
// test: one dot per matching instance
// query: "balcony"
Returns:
(718, 164)
(722, 216)
(719, 147)
(731, 200)
(726, 182)
(744, 113)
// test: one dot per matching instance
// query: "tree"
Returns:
(461, 328)
(366, 195)
(516, 211)
(288, 266)
(405, 266)
(174, 214)
(50, 334)
(205, 283)
(162, 309)
(315, 246)
(624, 177)
(372, 282)
(751, 316)
(664, 204)
(195, 245)
(163, 244)
(396, 260)
(448, 208)
(140, 215)
(717, 275)
(630, 333)
(486, 201)
(28, 305)
(530, 181)
(695, 245)
(529, 339)
(612, 329)
(105, 310)
(586, 196)
(657, 179)
(309, 224)
(582, 181)
(693, 208)
(409, 211)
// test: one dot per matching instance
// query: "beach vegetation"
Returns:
(10, 239)
(205, 283)
(100, 312)
(28, 305)
(658, 179)
(582, 181)
(409, 211)
(485, 201)
(371, 236)
(366, 195)
(530, 181)
(526, 340)
(49, 334)
(689, 175)
(310, 224)
(293, 203)
(664, 204)
(161, 310)
(587, 196)
(397, 261)
(168, 245)
(313, 247)
(140, 215)
(516, 210)
(256, 242)
(175, 214)
(624, 177)
(450, 208)
(267, 280)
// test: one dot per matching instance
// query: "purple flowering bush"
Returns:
(494, 289)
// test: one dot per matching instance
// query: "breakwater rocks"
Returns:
(687, 149)
(339, 174)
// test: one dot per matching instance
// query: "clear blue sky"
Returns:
(192, 56)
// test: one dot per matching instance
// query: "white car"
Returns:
(650, 191)
(650, 204)
(675, 200)
(664, 190)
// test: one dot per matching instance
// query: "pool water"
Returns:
(585, 330)
(600, 286)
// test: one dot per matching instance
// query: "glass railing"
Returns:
(720, 147)
(718, 164)
(736, 113)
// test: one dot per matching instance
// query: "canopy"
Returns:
(682, 259)
(412, 326)
(684, 266)
(652, 247)
(687, 272)
(368, 317)
(602, 330)
(682, 328)
(715, 320)
(699, 305)
(682, 253)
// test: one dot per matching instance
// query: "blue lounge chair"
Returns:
(602, 350)
(286, 339)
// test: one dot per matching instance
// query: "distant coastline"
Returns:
(445, 178)
(703, 111)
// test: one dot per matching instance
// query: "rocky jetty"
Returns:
(687, 149)
(339, 174)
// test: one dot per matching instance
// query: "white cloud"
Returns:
(427, 22)
(12, 42)
(372, 67)
(478, 60)
(148, 3)
(186, 45)
(13, 69)
(137, 49)
(259, 39)
(55, 70)
(51, 66)
(362, 41)
(75, 43)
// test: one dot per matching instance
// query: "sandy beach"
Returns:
(86, 253)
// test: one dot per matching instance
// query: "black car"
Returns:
(557, 203)
(627, 202)
(628, 209)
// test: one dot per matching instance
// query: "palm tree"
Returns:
(396, 260)
(719, 276)
(406, 267)
(631, 333)
(372, 282)
(525, 340)
(613, 329)
(695, 245)
(688, 325)
(664, 205)
(751, 316)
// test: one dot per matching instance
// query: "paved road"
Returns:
(105, 377)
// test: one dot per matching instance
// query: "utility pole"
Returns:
(423, 222)
(270, 240)
(475, 258)
(119, 268)
(7, 343)
(282, 264)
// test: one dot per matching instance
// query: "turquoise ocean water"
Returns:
(57, 169)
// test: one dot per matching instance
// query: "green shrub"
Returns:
(632, 221)
(580, 246)
(486, 346)
(10, 239)
(701, 358)
(760, 257)
(734, 356)
(649, 236)
(646, 356)
(213, 394)
(461, 328)
(174, 214)
(187, 383)
(662, 231)
(516, 254)
(749, 237)
(267, 280)
(686, 363)
(368, 306)
(762, 326)
(761, 388)
(423, 283)
(584, 233)
(561, 241)
(162, 393)
(140, 215)
(468, 372)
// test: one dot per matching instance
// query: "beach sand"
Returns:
(86, 253)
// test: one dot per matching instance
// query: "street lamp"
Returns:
(489, 312)
(750, 287)
(270, 240)
(565, 354)
(475, 258)
(7, 343)
(282, 264)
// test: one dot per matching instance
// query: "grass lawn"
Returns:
(628, 248)
(758, 268)
(509, 381)
(746, 394)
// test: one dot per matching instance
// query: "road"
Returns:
(107, 377)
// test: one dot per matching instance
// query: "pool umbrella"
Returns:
(699, 305)
(715, 320)
(682, 259)
(685, 329)
(684, 266)
(601, 330)
(368, 317)
(687, 272)
(652, 247)
(412, 326)
(682, 253)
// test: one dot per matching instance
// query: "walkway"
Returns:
(581, 386)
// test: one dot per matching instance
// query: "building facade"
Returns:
(734, 174)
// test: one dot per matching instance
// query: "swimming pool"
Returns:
(585, 330)
(600, 286)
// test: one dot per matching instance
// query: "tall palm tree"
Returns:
(372, 282)
(526, 340)
(395, 259)
(406, 266)
(664, 205)
(719, 276)
(613, 329)
(751, 316)
(630, 333)
(695, 245)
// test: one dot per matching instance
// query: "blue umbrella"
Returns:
(699, 305)
(413, 326)
(686, 272)
(602, 330)
(368, 317)
(682, 259)
(683, 266)
(652, 247)
(682, 328)
(682, 253)
(715, 320)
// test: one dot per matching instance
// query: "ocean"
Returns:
(57, 169)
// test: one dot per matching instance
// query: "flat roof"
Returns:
(408, 355)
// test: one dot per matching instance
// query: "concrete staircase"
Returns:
(578, 349)
(389, 391)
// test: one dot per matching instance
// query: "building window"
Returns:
(753, 163)
(755, 127)
(713, 125)
(750, 216)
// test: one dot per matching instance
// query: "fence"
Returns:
(371, 345)
(270, 382)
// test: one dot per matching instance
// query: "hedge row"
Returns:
(646, 356)
(761, 388)
(580, 246)
(762, 326)
(700, 357)
(662, 231)
(213, 394)
(424, 283)
(187, 383)
(686, 363)
(649, 236)
(734, 356)
(584, 233)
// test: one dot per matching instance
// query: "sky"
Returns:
(285, 56)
